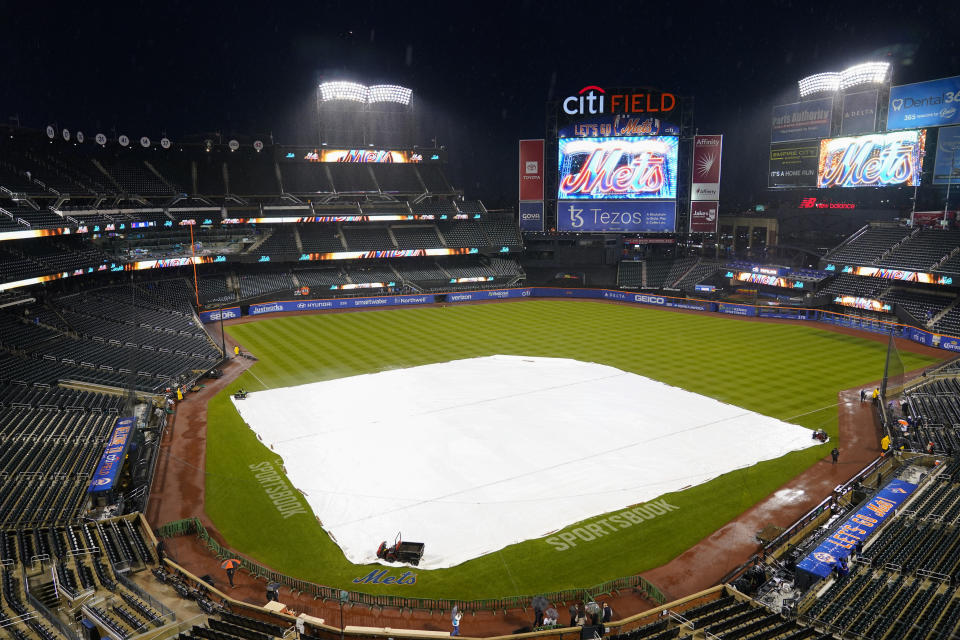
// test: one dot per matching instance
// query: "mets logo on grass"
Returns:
(381, 576)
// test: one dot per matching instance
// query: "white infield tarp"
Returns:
(470, 456)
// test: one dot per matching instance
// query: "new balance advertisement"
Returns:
(946, 164)
(877, 160)
(793, 164)
(706, 168)
(935, 103)
(531, 170)
(859, 113)
(618, 168)
(704, 216)
(806, 120)
(602, 216)
(531, 216)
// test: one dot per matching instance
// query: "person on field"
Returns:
(236, 349)
(573, 614)
(835, 454)
(456, 624)
(607, 612)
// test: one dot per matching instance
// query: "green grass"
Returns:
(788, 372)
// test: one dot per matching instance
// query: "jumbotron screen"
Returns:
(874, 160)
(640, 167)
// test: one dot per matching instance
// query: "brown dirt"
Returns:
(178, 493)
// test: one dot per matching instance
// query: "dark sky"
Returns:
(484, 70)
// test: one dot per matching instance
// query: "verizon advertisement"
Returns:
(706, 168)
(531, 170)
(704, 216)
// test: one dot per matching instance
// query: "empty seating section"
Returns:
(398, 178)
(471, 207)
(630, 274)
(867, 246)
(501, 232)
(133, 176)
(422, 271)
(366, 238)
(434, 179)
(938, 403)
(466, 233)
(949, 323)
(697, 273)
(435, 208)
(251, 176)
(282, 241)
(505, 267)
(260, 284)
(922, 251)
(373, 273)
(320, 238)
(848, 284)
(321, 278)
(214, 290)
(351, 178)
(305, 178)
(951, 265)
(416, 236)
(657, 271)
(921, 306)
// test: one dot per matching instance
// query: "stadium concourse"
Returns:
(179, 493)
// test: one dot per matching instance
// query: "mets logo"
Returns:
(102, 481)
(824, 557)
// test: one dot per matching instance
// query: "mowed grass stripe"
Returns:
(776, 369)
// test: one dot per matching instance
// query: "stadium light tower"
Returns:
(357, 115)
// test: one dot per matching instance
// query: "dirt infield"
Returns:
(178, 493)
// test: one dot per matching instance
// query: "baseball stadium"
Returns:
(257, 391)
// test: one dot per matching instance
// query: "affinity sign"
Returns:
(616, 216)
(618, 168)
(876, 160)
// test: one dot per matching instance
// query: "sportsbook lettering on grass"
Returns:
(285, 500)
(611, 524)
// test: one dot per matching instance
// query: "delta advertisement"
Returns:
(618, 168)
(704, 217)
(934, 103)
(946, 164)
(707, 151)
(876, 160)
(601, 216)
(531, 170)
(531, 216)
(859, 113)
(793, 164)
(806, 120)
(857, 528)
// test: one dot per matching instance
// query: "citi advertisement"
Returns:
(593, 100)
(877, 160)
(704, 216)
(599, 216)
(531, 216)
(618, 168)
(859, 113)
(706, 168)
(531, 170)
(801, 120)
(793, 164)
(935, 103)
(946, 164)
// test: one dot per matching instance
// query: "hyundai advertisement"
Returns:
(935, 103)
(876, 160)
(625, 168)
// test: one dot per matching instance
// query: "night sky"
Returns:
(483, 70)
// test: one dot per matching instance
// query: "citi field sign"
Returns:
(594, 100)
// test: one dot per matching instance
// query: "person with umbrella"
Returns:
(539, 604)
(455, 616)
(230, 565)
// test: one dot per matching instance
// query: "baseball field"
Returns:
(786, 371)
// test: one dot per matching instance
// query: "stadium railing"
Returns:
(320, 592)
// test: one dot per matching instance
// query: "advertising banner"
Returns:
(706, 168)
(338, 303)
(857, 528)
(214, 316)
(736, 309)
(704, 217)
(489, 294)
(618, 126)
(618, 168)
(806, 120)
(934, 103)
(531, 170)
(876, 160)
(351, 155)
(593, 101)
(602, 216)
(111, 461)
(531, 216)
(859, 113)
(946, 164)
(793, 164)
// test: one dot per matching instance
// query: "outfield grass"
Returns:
(789, 372)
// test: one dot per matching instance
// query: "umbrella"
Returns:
(552, 614)
(453, 613)
(230, 563)
(592, 607)
(539, 602)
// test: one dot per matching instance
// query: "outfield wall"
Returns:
(907, 332)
